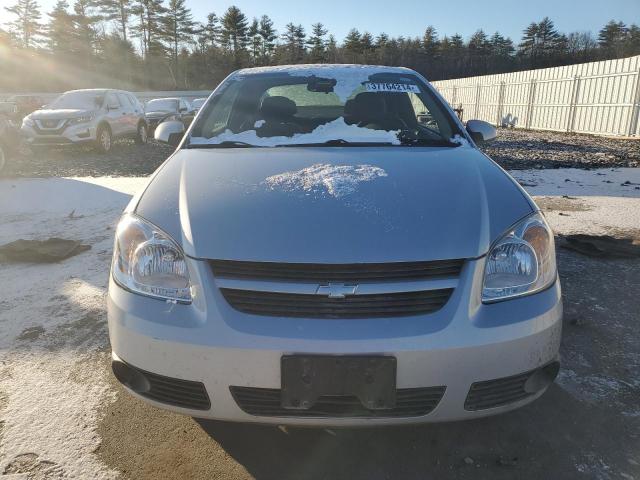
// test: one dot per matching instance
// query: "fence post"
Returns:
(475, 115)
(571, 117)
(454, 96)
(500, 112)
(532, 94)
(635, 108)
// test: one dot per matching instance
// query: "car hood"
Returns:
(59, 114)
(158, 113)
(333, 204)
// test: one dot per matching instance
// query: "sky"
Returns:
(411, 17)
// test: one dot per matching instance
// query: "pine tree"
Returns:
(150, 15)
(178, 26)
(430, 42)
(353, 45)
(294, 42)
(316, 43)
(26, 29)
(529, 43)
(85, 21)
(234, 32)
(60, 30)
(118, 11)
(268, 35)
(612, 38)
(209, 33)
(255, 39)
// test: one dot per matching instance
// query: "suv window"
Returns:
(112, 101)
(124, 100)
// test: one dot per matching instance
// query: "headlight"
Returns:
(83, 119)
(147, 261)
(522, 262)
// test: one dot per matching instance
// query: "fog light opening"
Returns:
(130, 377)
(542, 378)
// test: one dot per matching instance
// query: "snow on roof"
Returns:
(348, 76)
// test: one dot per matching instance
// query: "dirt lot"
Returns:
(62, 414)
(513, 149)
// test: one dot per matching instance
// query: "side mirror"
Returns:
(170, 132)
(182, 109)
(481, 131)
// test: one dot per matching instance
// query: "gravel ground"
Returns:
(524, 149)
(513, 149)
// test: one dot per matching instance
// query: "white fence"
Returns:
(599, 97)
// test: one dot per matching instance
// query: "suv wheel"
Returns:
(143, 134)
(103, 139)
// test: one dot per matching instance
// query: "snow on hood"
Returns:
(348, 77)
(336, 180)
(337, 129)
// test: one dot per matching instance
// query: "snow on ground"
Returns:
(52, 326)
(53, 339)
(599, 202)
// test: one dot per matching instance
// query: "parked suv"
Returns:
(96, 116)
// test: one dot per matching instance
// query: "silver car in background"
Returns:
(328, 246)
(94, 116)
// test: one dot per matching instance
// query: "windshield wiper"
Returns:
(427, 142)
(338, 142)
(225, 144)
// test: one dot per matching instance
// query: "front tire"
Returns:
(142, 136)
(103, 139)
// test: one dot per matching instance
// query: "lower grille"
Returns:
(496, 393)
(172, 391)
(320, 306)
(265, 402)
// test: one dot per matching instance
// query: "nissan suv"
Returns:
(95, 117)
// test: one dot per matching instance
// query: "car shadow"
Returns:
(549, 436)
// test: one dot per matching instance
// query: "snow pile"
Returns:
(337, 180)
(348, 77)
(336, 130)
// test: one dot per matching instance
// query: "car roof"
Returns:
(91, 90)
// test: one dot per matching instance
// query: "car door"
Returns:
(129, 123)
(114, 114)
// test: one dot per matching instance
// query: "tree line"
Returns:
(157, 44)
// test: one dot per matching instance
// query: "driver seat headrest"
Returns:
(278, 108)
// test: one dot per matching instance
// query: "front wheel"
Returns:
(103, 140)
(142, 135)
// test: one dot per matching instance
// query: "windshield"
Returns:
(341, 106)
(162, 105)
(78, 101)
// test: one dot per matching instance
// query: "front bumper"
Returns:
(74, 134)
(464, 343)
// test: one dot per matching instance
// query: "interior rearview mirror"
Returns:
(169, 132)
(481, 131)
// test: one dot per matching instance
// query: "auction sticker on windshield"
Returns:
(392, 87)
